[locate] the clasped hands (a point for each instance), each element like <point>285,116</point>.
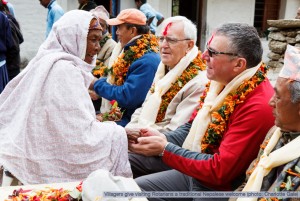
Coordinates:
<point>146,141</point>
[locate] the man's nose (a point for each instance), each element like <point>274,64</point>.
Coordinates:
<point>205,55</point>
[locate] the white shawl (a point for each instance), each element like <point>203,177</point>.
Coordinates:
<point>270,160</point>
<point>215,97</point>
<point>162,83</point>
<point>48,129</point>
<point>106,50</point>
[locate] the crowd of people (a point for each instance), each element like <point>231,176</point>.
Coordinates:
<point>169,115</point>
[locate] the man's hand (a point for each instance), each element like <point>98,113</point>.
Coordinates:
<point>148,146</point>
<point>145,132</point>
<point>132,134</point>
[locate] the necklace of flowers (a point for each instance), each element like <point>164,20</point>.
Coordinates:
<point>103,40</point>
<point>188,74</point>
<point>287,183</point>
<point>99,63</point>
<point>145,44</point>
<point>214,133</point>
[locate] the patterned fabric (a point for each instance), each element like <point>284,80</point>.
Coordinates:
<point>287,176</point>
<point>51,134</point>
<point>291,67</point>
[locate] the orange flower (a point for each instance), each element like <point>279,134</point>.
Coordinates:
<point>215,130</point>
<point>146,43</point>
<point>189,73</point>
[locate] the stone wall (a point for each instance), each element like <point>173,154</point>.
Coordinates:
<point>282,33</point>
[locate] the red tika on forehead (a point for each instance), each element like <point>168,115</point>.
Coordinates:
<point>212,36</point>
<point>167,28</point>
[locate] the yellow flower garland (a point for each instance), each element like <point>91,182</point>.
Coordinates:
<point>214,133</point>
<point>189,73</point>
<point>147,43</point>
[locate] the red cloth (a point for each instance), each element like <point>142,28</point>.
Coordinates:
<point>246,129</point>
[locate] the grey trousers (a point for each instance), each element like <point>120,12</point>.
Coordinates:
<point>172,180</point>
<point>143,165</point>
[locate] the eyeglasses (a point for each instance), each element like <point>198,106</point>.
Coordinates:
<point>211,52</point>
<point>170,40</point>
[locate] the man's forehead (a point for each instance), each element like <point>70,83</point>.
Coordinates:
<point>281,84</point>
<point>172,29</point>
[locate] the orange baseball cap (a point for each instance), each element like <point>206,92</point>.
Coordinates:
<point>131,16</point>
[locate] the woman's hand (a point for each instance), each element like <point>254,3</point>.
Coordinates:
<point>148,146</point>
<point>94,96</point>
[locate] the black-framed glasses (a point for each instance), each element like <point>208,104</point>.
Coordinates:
<point>170,40</point>
<point>211,52</point>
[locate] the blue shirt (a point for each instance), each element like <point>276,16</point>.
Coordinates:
<point>54,13</point>
<point>150,12</point>
<point>137,83</point>
<point>11,9</point>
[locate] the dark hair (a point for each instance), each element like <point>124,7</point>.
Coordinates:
<point>143,1</point>
<point>244,40</point>
<point>4,8</point>
<point>294,88</point>
<point>141,29</point>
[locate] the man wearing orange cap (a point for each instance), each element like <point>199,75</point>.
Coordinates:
<point>132,66</point>
<point>277,165</point>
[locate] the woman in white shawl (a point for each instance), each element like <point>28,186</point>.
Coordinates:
<point>51,133</point>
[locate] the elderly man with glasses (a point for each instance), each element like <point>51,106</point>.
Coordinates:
<point>213,150</point>
<point>178,82</point>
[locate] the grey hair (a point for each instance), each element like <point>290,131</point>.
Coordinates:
<point>190,29</point>
<point>294,88</point>
<point>244,41</point>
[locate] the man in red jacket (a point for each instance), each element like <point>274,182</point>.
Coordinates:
<point>213,151</point>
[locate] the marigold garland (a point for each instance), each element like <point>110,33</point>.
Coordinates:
<point>99,63</point>
<point>214,133</point>
<point>286,184</point>
<point>104,40</point>
<point>188,74</point>
<point>147,43</point>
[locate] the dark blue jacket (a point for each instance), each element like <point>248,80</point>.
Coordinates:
<point>137,83</point>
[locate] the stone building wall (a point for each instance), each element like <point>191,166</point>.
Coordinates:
<point>282,33</point>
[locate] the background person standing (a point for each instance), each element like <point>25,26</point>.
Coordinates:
<point>86,5</point>
<point>154,18</point>
<point>5,45</point>
<point>55,12</point>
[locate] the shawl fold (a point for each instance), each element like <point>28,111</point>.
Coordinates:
<point>51,133</point>
<point>214,99</point>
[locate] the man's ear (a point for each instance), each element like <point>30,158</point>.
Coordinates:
<point>240,65</point>
<point>134,31</point>
<point>191,44</point>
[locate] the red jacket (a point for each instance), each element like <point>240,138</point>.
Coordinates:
<point>246,129</point>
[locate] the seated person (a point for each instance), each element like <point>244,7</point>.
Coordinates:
<point>214,151</point>
<point>178,82</point>
<point>107,45</point>
<point>132,65</point>
<point>52,134</point>
<point>277,165</point>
